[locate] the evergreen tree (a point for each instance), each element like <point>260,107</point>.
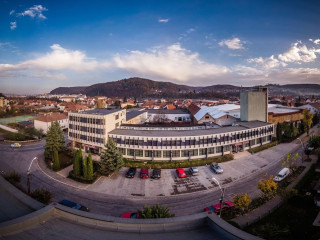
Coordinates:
<point>279,132</point>
<point>54,140</point>
<point>56,162</point>
<point>90,167</point>
<point>77,162</point>
<point>111,158</point>
<point>84,167</point>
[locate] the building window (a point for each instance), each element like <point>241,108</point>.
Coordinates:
<point>139,153</point>
<point>148,153</point>
<point>184,153</point>
<point>210,150</point>
<point>122,150</point>
<point>157,154</point>
<point>166,154</point>
<point>226,148</point>
<point>175,153</point>
<point>194,152</point>
<point>130,152</point>
<point>202,151</point>
<point>218,149</point>
<point>117,117</point>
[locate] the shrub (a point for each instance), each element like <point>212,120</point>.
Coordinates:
<point>81,179</point>
<point>42,195</point>
<point>13,177</point>
<point>306,179</point>
<point>263,147</point>
<point>268,187</point>
<point>242,201</point>
<point>155,211</point>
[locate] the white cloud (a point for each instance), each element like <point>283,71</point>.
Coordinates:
<point>13,25</point>
<point>172,62</point>
<point>317,41</point>
<point>35,11</point>
<point>267,63</point>
<point>299,54</point>
<point>11,12</point>
<point>162,20</point>
<point>246,71</point>
<point>190,30</point>
<point>233,44</point>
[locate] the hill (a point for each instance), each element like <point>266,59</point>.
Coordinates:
<point>140,87</point>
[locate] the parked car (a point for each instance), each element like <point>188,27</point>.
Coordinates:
<point>216,207</point>
<point>74,205</point>
<point>216,168</point>
<point>156,173</point>
<point>282,175</point>
<point>194,171</point>
<point>181,173</point>
<point>15,145</point>
<point>131,172</point>
<point>144,173</point>
<point>130,215</point>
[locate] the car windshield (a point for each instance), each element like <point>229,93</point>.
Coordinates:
<point>280,175</point>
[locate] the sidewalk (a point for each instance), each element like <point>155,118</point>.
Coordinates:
<point>273,204</point>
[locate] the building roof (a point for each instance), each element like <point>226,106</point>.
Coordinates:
<point>167,111</point>
<point>193,108</point>
<point>188,133</point>
<point>170,106</point>
<point>215,111</point>
<point>134,113</point>
<point>100,111</point>
<point>51,117</point>
<point>315,105</point>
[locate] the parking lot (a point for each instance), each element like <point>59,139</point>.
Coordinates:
<point>170,184</point>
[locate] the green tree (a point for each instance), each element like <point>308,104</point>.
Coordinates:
<point>279,132</point>
<point>56,162</point>
<point>302,128</point>
<point>291,161</point>
<point>84,167</point>
<point>268,187</point>
<point>307,120</point>
<point>315,119</point>
<point>111,158</point>
<point>314,141</point>
<point>90,167</point>
<point>242,201</point>
<point>54,140</point>
<point>77,162</point>
<point>155,211</point>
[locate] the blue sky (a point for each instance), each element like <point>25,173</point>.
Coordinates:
<point>47,44</point>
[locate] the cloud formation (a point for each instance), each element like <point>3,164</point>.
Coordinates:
<point>34,12</point>
<point>13,25</point>
<point>162,20</point>
<point>299,54</point>
<point>172,62</point>
<point>11,12</point>
<point>233,44</point>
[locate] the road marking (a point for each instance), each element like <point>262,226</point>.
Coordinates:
<point>58,180</point>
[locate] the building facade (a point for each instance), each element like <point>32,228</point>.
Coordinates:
<point>89,129</point>
<point>44,122</point>
<point>187,143</point>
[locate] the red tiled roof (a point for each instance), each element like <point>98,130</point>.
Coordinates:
<point>170,106</point>
<point>193,109</point>
<point>51,117</point>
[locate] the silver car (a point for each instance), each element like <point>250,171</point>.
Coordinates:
<point>216,168</point>
<point>194,171</point>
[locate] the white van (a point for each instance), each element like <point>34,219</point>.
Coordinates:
<point>282,174</point>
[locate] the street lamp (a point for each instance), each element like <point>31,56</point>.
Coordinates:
<point>302,146</point>
<point>28,175</point>
<point>222,194</point>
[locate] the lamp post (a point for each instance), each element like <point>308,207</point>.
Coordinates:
<point>222,194</point>
<point>302,146</point>
<point>28,175</point>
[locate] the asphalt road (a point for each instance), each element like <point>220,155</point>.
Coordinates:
<point>103,203</point>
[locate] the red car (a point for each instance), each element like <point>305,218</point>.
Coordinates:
<point>180,172</point>
<point>130,215</point>
<point>216,207</point>
<point>144,173</point>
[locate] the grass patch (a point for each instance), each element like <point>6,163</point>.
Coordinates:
<point>65,158</point>
<point>177,164</point>
<point>263,147</point>
<point>291,221</point>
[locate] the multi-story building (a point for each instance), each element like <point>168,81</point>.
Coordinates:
<point>89,129</point>
<point>189,142</point>
<point>44,121</point>
<point>3,102</point>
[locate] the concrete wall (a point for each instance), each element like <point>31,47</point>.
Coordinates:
<point>254,106</point>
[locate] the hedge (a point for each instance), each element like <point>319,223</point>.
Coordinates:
<point>175,164</point>
<point>263,147</point>
<point>82,179</point>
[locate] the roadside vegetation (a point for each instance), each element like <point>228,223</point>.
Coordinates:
<point>176,164</point>
<point>155,211</point>
<point>263,147</point>
<point>41,195</point>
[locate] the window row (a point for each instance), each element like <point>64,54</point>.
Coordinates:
<point>86,138</point>
<point>86,129</point>
<point>87,120</point>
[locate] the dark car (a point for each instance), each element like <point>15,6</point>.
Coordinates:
<point>144,173</point>
<point>131,172</point>
<point>74,205</point>
<point>156,173</point>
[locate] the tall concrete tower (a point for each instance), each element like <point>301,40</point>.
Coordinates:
<point>254,105</point>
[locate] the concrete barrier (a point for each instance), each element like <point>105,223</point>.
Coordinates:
<point>8,128</point>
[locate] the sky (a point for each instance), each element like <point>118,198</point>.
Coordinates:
<point>46,44</point>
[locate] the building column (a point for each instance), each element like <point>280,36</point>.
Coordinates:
<point>170,155</point>
<point>134,154</point>
<point>188,155</point>
<point>222,150</point>
<point>152,155</point>
<point>206,153</point>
